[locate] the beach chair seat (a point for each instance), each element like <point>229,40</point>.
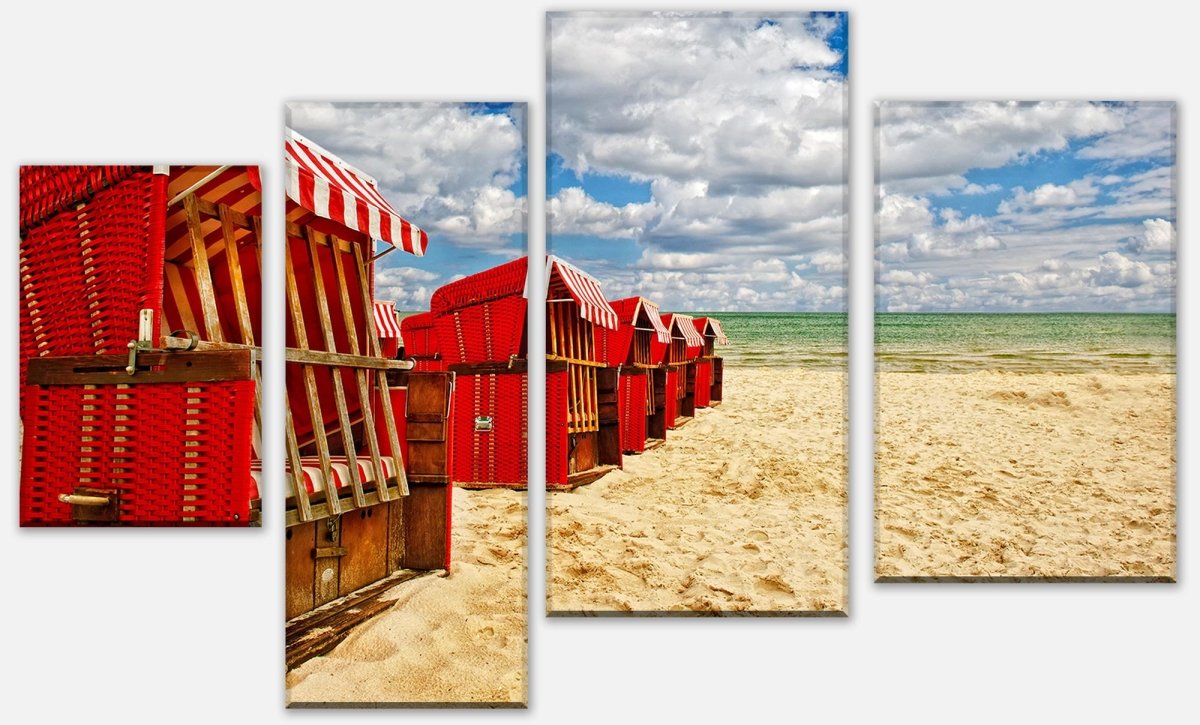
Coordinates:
<point>314,478</point>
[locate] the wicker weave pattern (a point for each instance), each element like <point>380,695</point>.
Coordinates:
<point>48,190</point>
<point>557,450</point>
<point>631,402</point>
<point>85,273</point>
<point>671,406</point>
<point>496,457</point>
<point>486,332</point>
<point>703,388</point>
<point>196,470</point>
<point>421,342</point>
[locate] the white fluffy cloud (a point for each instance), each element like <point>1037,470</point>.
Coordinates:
<point>1158,235</point>
<point>929,146</point>
<point>443,166</point>
<point>1103,241</point>
<point>739,127</point>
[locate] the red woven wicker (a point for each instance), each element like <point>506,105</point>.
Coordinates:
<point>420,342</point>
<point>671,406</point>
<point>631,401</point>
<point>87,271</point>
<point>48,190</point>
<point>497,457</point>
<point>703,388</point>
<point>194,471</point>
<point>556,429</point>
<point>481,318</point>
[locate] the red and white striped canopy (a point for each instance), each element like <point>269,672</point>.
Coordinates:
<point>686,329</point>
<point>332,189</point>
<point>585,290</point>
<point>385,320</point>
<point>664,335</point>
<point>713,325</point>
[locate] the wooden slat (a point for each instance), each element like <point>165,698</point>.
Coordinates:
<point>204,284</point>
<point>385,398</point>
<point>360,375</point>
<point>240,303</point>
<point>176,367</point>
<point>318,633</point>
<point>341,359</point>
<point>233,258</point>
<point>339,391</point>
<point>310,378</point>
<point>299,490</point>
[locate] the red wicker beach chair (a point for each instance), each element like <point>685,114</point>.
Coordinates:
<point>420,342</point>
<point>684,351</point>
<point>635,349</point>
<point>124,420</point>
<point>479,323</point>
<point>710,367</point>
<point>367,440</point>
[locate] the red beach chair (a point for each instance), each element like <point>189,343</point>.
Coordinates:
<point>124,420</point>
<point>634,349</point>
<point>367,440</point>
<point>682,354</point>
<point>710,367</point>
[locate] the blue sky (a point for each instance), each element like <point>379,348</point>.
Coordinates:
<point>457,170</point>
<point>699,159</point>
<point>1065,206</point>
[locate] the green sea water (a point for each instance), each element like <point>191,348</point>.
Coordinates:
<point>815,340</point>
<point>1032,342</point>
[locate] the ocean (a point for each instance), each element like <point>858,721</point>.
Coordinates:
<point>1029,342</point>
<point>814,340</point>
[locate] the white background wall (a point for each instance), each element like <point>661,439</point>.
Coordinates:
<point>185,626</point>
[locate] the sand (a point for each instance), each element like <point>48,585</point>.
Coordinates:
<point>994,474</point>
<point>454,639</point>
<point>741,510</point>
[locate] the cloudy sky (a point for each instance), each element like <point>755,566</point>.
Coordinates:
<point>455,170</point>
<point>698,160</point>
<point>1026,207</point>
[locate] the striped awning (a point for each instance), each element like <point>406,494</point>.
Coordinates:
<point>681,326</point>
<point>585,290</point>
<point>712,325</point>
<point>664,335</point>
<point>332,189</point>
<point>385,320</point>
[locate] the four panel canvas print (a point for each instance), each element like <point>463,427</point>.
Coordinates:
<point>696,313</point>
<point>694,304</point>
<point>1025,341</point>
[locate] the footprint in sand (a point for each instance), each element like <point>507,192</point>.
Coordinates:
<point>757,535</point>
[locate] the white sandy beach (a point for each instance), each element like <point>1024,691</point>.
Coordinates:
<point>743,509</point>
<point>1025,475</point>
<point>455,639</point>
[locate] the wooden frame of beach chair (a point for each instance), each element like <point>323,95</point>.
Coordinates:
<point>367,440</point>
<point>634,349</point>
<point>583,432</point>
<point>710,367</point>
<point>125,421</point>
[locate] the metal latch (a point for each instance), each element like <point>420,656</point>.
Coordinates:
<point>483,422</point>
<point>145,341</point>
